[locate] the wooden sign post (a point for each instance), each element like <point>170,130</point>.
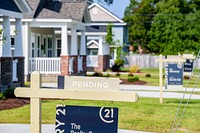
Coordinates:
<point>161,61</point>
<point>35,93</point>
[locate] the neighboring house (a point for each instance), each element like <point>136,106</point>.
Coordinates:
<point>54,37</point>
<point>99,56</point>
<point>11,65</point>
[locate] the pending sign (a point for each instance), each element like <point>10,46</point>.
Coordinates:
<point>94,83</point>
<point>83,119</point>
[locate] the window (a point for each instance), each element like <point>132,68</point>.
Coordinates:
<point>12,45</point>
<point>93,51</point>
<point>44,45</point>
<point>50,46</point>
<point>58,42</point>
<point>38,46</point>
<point>32,44</point>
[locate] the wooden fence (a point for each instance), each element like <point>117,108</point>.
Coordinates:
<point>149,61</point>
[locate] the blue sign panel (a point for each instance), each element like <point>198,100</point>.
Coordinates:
<point>82,119</point>
<point>188,65</point>
<point>175,74</point>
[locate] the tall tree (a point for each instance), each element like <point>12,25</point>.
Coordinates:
<point>138,16</point>
<point>109,36</point>
<point>175,27</point>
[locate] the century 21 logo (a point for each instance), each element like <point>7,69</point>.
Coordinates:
<point>106,115</point>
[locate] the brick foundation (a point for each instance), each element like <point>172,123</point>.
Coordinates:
<point>103,64</point>
<point>75,64</point>
<point>64,65</point>
<point>84,64</point>
<point>6,65</point>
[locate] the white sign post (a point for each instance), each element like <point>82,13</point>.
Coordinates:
<point>35,93</point>
<point>161,61</point>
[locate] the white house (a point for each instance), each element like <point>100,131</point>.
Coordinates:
<point>57,37</point>
<point>12,65</point>
<point>54,37</point>
<point>99,57</point>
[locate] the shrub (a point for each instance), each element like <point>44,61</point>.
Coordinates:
<point>130,75</point>
<point>2,97</point>
<point>148,75</point>
<point>186,77</point>
<point>117,65</point>
<point>108,75</point>
<point>117,74</point>
<point>133,79</point>
<point>98,74</point>
<point>9,93</point>
<point>119,62</point>
<point>134,69</point>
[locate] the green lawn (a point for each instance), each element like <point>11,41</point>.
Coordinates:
<point>154,79</point>
<point>145,115</point>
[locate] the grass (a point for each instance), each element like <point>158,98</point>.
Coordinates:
<point>145,115</point>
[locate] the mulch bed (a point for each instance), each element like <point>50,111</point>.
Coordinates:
<point>139,82</point>
<point>19,102</point>
<point>13,103</point>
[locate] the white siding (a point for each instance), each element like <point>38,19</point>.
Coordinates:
<point>98,14</point>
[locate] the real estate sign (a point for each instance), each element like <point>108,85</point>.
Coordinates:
<point>188,65</point>
<point>83,119</point>
<point>174,74</point>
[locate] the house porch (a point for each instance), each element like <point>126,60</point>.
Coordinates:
<point>58,49</point>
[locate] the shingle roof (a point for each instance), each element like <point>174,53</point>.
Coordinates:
<point>96,28</point>
<point>48,9</point>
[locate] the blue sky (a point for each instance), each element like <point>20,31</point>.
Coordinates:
<point>118,7</point>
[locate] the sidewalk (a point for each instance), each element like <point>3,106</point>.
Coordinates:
<point>46,128</point>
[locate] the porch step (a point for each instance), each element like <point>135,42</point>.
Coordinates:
<point>50,78</point>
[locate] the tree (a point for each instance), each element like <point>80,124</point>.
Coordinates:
<point>109,36</point>
<point>174,29</point>
<point>138,16</point>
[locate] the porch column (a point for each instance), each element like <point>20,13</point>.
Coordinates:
<point>18,38</point>
<point>6,47</point>
<point>103,60</point>
<point>64,52</point>
<point>18,54</point>
<point>6,59</point>
<point>83,44</point>
<point>83,51</point>
<point>100,50</point>
<point>27,50</point>
<point>64,43</point>
<point>74,50</point>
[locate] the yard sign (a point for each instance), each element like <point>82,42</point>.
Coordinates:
<point>82,119</point>
<point>36,93</point>
<point>161,61</point>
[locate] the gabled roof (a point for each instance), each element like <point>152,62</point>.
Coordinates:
<point>23,6</point>
<point>106,14</point>
<point>92,44</point>
<point>49,9</point>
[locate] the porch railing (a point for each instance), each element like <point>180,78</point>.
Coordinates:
<point>92,60</point>
<point>45,65</point>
